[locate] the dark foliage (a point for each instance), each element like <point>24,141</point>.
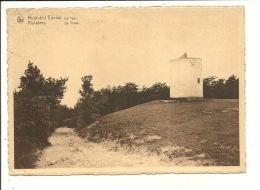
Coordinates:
<point>94,104</point>
<point>37,113</point>
<point>221,88</point>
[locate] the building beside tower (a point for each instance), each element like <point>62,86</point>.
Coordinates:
<point>186,77</point>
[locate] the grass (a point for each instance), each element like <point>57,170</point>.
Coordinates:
<point>199,130</point>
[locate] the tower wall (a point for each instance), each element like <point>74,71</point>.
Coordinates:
<point>186,78</point>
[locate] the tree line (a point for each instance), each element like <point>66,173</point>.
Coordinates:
<point>38,112</point>
<point>93,104</point>
<point>221,88</point>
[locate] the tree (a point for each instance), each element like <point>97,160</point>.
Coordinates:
<point>101,102</point>
<point>33,80</point>
<point>220,89</point>
<point>232,87</point>
<point>87,86</point>
<point>54,90</point>
<point>208,87</point>
<point>34,107</point>
<point>129,93</point>
<point>159,91</point>
<point>31,127</point>
<point>86,107</point>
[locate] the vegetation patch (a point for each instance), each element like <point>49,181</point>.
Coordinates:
<point>197,130</point>
<point>36,102</point>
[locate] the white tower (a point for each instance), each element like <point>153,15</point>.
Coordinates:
<point>186,78</point>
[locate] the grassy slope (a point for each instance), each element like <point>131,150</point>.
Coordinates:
<point>207,129</point>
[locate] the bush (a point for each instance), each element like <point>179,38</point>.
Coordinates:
<point>31,127</point>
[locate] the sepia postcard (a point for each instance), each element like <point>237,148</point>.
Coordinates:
<point>133,90</point>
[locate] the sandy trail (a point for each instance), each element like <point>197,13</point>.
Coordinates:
<point>68,150</point>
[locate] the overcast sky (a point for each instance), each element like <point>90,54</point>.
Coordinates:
<point>130,45</point>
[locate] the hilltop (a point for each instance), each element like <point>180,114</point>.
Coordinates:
<point>205,131</point>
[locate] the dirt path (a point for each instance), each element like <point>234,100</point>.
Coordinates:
<point>68,150</point>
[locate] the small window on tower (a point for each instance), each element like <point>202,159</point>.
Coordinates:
<point>198,80</point>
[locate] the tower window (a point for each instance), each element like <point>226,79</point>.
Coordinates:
<point>198,80</point>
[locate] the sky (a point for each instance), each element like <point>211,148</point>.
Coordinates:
<point>124,45</point>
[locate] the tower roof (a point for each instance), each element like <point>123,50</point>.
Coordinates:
<point>185,56</point>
